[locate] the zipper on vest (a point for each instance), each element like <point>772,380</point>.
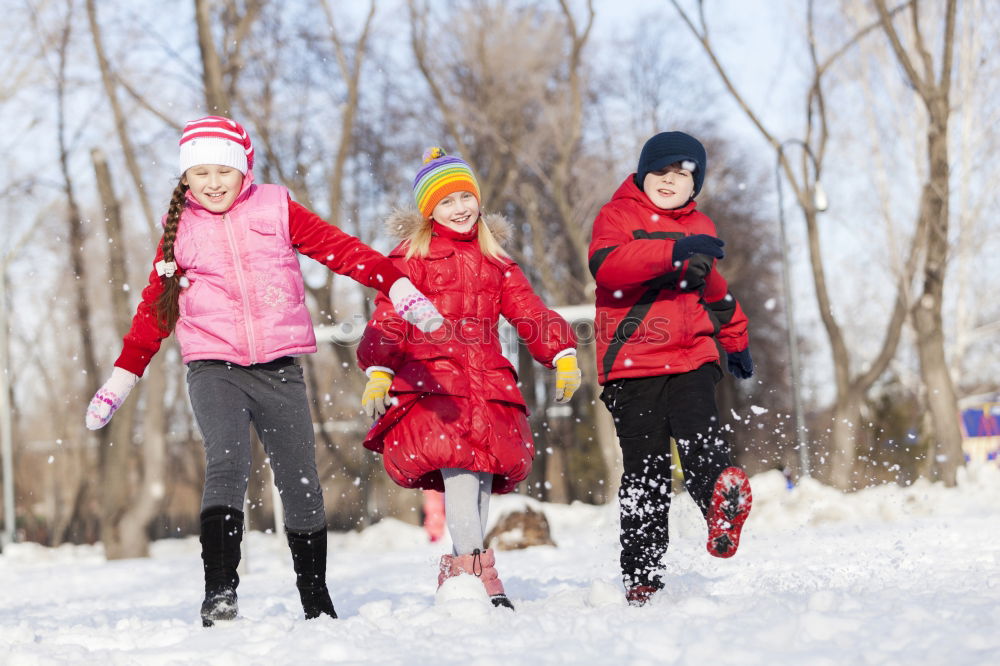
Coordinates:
<point>251,341</point>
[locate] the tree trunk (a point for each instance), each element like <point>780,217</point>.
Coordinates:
<point>216,99</point>
<point>917,63</point>
<point>604,426</point>
<point>526,382</point>
<point>560,436</point>
<point>846,414</point>
<point>116,469</point>
<point>78,266</point>
<point>121,127</point>
<point>147,499</point>
<point>927,320</point>
<point>126,516</point>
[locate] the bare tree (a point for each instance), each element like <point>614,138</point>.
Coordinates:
<point>932,84</point>
<point>75,224</point>
<point>131,502</point>
<point>851,386</point>
<point>60,42</point>
<point>220,70</point>
<point>121,125</point>
<point>130,496</point>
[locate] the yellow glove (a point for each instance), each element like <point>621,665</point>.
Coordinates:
<point>567,378</point>
<point>375,399</point>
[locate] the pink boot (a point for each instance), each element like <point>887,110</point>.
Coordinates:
<point>434,519</point>
<point>481,564</point>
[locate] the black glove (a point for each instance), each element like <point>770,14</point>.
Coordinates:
<point>688,246</point>
<point>740,364</point>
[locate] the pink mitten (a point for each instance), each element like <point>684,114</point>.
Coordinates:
<point>110,397</point>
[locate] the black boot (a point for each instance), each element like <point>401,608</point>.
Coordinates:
<point>309,562</point>
<point>221,536</point>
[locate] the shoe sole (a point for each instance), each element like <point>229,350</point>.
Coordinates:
<point>730,506</point>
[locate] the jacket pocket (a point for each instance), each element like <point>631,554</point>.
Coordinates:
<point>263,226</point>
<point>441,271</point>
<point>263,235</point>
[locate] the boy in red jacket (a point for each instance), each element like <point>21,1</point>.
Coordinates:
<point>662,307</point>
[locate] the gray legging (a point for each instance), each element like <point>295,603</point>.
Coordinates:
<point>227,399</point>
<point>466,507</point>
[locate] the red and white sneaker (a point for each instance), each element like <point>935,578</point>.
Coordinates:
<point>729,508</point>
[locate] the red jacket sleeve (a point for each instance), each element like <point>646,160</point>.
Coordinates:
<point>339,251</point>
<point>145,335</point>
<point>726,309</point>
<point>384,340</point>
<point>619,261</point>
<point>544,331</point>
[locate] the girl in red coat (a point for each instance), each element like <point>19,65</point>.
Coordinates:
<point>456,420</point>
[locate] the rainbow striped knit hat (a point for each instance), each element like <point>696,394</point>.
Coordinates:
<point>441,175</point>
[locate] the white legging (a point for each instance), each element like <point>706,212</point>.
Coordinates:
<point>466,507</point>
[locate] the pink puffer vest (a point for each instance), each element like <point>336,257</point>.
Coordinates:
<point>245,301</point>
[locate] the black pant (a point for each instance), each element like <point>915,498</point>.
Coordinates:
<point>648,411</point>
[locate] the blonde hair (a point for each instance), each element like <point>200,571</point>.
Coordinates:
<point>419,243</point>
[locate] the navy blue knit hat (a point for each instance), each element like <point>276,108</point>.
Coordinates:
<point>667,148</point>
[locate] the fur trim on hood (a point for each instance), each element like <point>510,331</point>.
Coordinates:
<point>403,223</point>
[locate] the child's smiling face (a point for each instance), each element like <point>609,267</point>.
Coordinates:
<point>214,186</point>
<point>670,187</point>
<point>458,211</point>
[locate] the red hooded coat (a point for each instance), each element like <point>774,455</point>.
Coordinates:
<point>457,401</point>
<point>654,318</point>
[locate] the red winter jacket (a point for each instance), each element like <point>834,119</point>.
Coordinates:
<point>471,291</point>
<point>654,318</point>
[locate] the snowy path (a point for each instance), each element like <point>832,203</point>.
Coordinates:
<point>886,576</point>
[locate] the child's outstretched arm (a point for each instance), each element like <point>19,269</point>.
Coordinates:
<point>344,254</point>
<point>548,336</point>
<point>139,346</point>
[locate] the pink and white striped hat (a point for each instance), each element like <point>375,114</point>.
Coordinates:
<point>216,140</point>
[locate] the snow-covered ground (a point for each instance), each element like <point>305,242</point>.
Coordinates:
<point>885,576</point>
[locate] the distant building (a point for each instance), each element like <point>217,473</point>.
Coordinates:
<point>981,429</point>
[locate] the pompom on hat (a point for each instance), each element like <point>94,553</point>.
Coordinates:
<point>668,148</point>
<point>216,140</point>
<point>441,175</point>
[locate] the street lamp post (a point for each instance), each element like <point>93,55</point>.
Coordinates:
<point>820,204</point>
<point>6,434</point>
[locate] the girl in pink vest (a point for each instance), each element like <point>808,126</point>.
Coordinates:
<point>226,279</point>
<point>456,420</point>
